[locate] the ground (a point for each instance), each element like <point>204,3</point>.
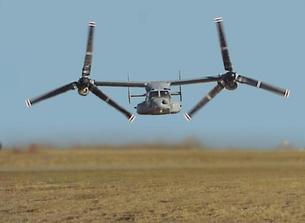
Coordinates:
<point>151,185</point>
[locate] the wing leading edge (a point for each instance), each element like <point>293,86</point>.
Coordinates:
<point>206,79</point>
<point>120,83</point>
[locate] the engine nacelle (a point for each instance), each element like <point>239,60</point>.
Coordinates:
<point>83,91</point>
<point>232,85</point>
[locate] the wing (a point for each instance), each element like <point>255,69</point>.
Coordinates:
<point>196,80</point>
<point>206,79</point>
<point>121,84</point>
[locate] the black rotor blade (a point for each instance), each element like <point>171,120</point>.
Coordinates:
<point>95,90</point>
<point>204,101</point>
<point>89,51</point>
<point>60,90</point>
<point>223,45</point>
<point>259,84</point>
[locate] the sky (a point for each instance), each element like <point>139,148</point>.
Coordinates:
<point>43,46</point>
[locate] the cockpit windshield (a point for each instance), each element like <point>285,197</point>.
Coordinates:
<point>164,93</point>
<point>158,94</point>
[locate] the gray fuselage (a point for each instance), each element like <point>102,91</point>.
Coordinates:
<point>158,102</point>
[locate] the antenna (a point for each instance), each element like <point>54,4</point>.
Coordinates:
<point>180,87</point>
<point>128,89</point>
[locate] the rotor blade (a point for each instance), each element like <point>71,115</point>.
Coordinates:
<point>89,51</point>
<point>204,101</point>
<point>111,102</point>
<point>60,90</point>
<point>223,44</point>
<point>259,84</point>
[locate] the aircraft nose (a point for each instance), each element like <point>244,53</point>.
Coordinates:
<point>165,102</point>
<point>161,103</point>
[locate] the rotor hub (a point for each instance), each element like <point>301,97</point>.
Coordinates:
<point>83,82</point>
<point>229,80</point>
<point>83,86</point>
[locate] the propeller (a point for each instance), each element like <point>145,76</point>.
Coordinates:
<point>230,79</point>
<point>223,45</point>
<point>84,84</point>
<point>216,90</point>
<point>89,51</point>
<point>259,84</point>
<point>94,89</point>
<point>60,90</point>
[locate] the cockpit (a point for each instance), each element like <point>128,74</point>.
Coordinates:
<point>159,93</point>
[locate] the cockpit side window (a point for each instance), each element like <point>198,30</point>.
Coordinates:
<point>154,94</point>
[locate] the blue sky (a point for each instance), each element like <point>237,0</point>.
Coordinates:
<point>43,45</point>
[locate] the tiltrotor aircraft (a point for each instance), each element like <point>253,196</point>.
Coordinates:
<point>158,95</point>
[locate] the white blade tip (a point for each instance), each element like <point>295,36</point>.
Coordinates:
<point>132,118</point>
<point>287,93</point>
<point>187,117</point>
<point>218,19</point>
<point>92,23</point>
<point>28,103</point>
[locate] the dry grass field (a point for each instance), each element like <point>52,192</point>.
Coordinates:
<point>151,185</point>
